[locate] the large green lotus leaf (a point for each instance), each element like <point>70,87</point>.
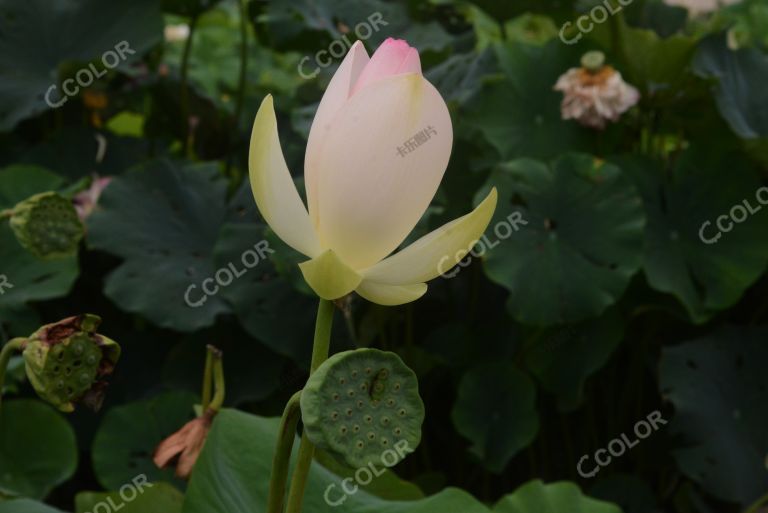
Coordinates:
<point>38,450</point>
<point>20,181</point>
<point>499,424</point>
<point>268,307</point>
<point>26,506</point>
<point>741,94</point>
<point>581,245</point>
<point>519,112</point>
<point>561,497</point>
<point>460,76</point>
<point>232,476</point>
<point>32,279</point>
<point>135,497</point>
<point>163,219</point>
<point>564,357</point>
<point>652,62</point>
<point>128,435</point>
<point>719,388</point>
<point>75,30</point>
<point>704,277</point>
<point>288,22</point>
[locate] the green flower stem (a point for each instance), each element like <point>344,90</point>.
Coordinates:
<point>219,385</point>
<point>755,507</point>
<point>5,356</point>
<point>243,9</point>
<point>281,461</point>
<point>184,102</point>
<point>207,380</point>
<point>6,214</point>
<point>307,449</point>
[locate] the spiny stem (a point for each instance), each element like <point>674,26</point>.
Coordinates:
<point>11,347</point>
<point>282,458</point>
<point>307,449</point>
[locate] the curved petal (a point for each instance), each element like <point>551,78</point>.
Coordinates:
<point>381,164</point>
<point>436,252</point>
<point>391,295</point>
<point>338,91</point>
<point>329,276</point>
<point>392,57</point>
<point>273,188</point>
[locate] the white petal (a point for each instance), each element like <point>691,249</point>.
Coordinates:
<point>273,188</point>
<point>391,295</point>
<point>436,252</point>
<point>337,92</point>
<point>372,190</point>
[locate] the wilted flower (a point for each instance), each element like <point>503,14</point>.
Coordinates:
<point>47,226</point>
<point>67,362</point>
<point>85,201</point>
<point>185,444</point>
<point>696,7</point>
<point>377,151</point>
<point>595,93</point>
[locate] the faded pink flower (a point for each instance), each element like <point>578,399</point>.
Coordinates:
<point>85,201</point>
<point>696,7</point>
<point>595,94</point>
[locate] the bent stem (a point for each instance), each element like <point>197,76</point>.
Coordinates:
<point>207,379</point>
<point>307,449</point>
<point>280,462</point>
<point>218,380</point>
<point>11,347</point>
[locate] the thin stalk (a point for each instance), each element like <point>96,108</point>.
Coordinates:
<point>5,356</point>
<point>320,350</point>
<point>242,4</point>
<point>218,383</point>
<point>207,380</point>
<point>184,87</point>
<point>282,458</point>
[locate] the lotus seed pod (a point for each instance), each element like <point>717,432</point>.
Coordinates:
<point>47,226</point>
<point>67,362</point>
<point>363,405</point>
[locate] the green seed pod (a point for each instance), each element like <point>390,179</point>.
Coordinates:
<point>67,362</point>
<point>47,226</point>
<point>361,404</point>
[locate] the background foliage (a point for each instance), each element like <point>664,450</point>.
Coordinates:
<point>605,307</point>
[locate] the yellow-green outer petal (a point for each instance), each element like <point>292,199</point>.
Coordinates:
<point>329,277</point>
<point>436,252</point>
<point>390,295</point>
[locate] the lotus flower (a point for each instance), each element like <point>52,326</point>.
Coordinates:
<point>377,150</point>
<point>595,93</point>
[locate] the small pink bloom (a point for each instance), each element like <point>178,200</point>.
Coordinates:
<point>85,201</point>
